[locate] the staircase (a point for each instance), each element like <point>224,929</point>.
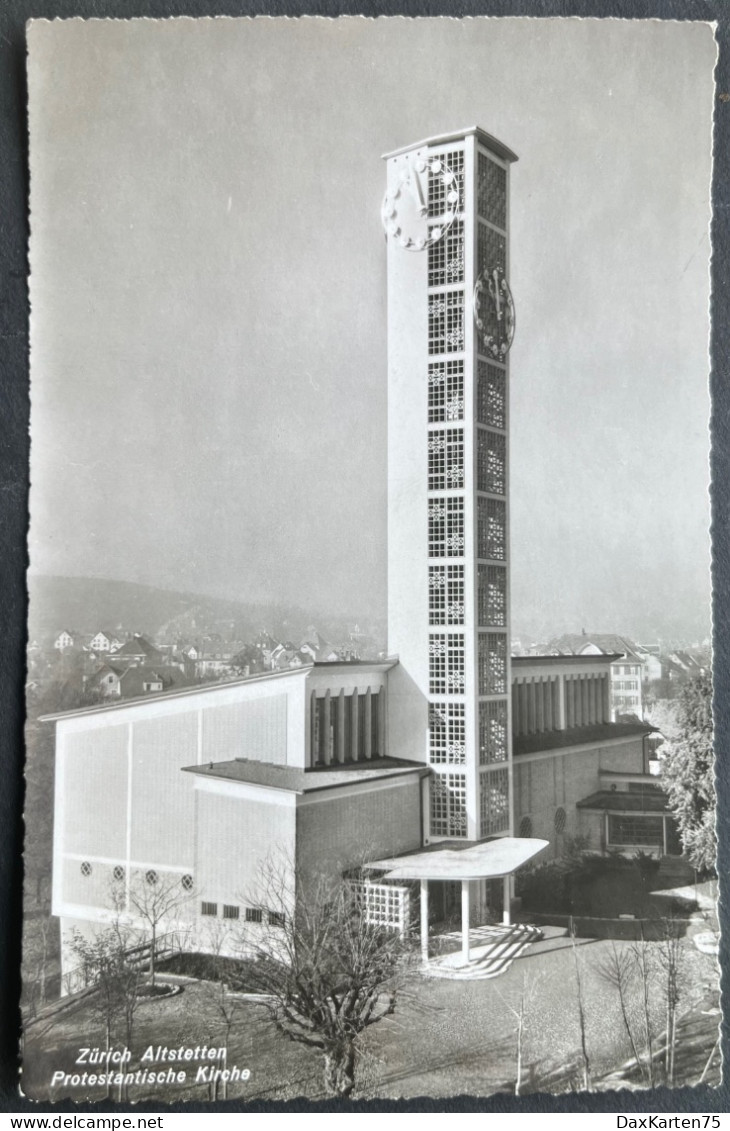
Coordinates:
<point>492,950</point>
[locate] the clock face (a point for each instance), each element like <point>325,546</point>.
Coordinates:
<point>423,203</point>
<point>494,313</point>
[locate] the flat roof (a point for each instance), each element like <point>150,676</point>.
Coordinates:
<point>209,688</point>
<point>473,861</point>
<point>626,801</point>
<point>577,736</point>
<point>486,140</point>
<point>294,780</point>
<point>569,658</point>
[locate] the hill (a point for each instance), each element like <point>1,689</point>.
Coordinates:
<point>87,604</point>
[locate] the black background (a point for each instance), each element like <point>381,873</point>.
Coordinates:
<point>14,385</point>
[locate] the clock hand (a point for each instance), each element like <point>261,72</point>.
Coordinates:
<point>497,299</point>
<point>417,191</point>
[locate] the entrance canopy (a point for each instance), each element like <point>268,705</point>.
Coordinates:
<point>486,860</point>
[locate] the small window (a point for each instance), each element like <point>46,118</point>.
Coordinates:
<point>187,882</point>
<point>526,827</point>
<point>118,872</point>
<point>86,868</point>
<point>151,877</point>
<point>560,820</point>
<point>254,915</point>
<point>277,919</point>
<point>230,911</point>
<point>208,908</point>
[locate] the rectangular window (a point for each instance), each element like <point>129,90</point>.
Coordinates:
<point>446,664</point>
<point>446,257</point>
<point>491,529</point>
<point>448,805</point>
<point>446,322</point>
<point>491,462</point>
<point>494,801</point>
<point>491,191</point>
<point>635,828</point>
<point>446,594</point>
<point>254,915</point>
<point>276,919</point>
<point>446,527</point>
<point>438,187</point>
<point>492,732</point>
<point>491,249</point>
<point>208,908</point>
<point>492,595</point>
<point>446,459</point>
<point>491,395</point>
<point>492,663</point>
<point>446,733</point>
<point>445,391</point>
<point>230,911</point>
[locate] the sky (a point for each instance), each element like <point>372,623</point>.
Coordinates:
<point>208,296</point>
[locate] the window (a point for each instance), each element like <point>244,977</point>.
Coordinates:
<point>446,459</point>
<point>446,594</point>
<point>446,257</point>
<point>494,801</point>
<point>208,908</point>
<point>276,919</point>
<point>230,911</point>
<point>491,191</point>
<point>187,882</point>
<point>491,249</point>
<point>560,819</point>
<point>445,391</point>
<point>446,322</point>
<point>446,664</point>
<point>254,915</point>
<point>448,805</point>
<point>119,872</point>
<point>438,188</point>
<point>446,527</point>
<point>492,732</point>
<point>526,827</point>
<point>635,828</point>
<point>151,877</point>
<point>86,868</point>
<point>491,529</point>
<point>446,733</point>
<point>492,595</point>
<point>491,462</point>
<point>491,395</point>
<point>492,663</point>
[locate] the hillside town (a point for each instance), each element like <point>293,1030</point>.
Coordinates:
<point>96,664</point>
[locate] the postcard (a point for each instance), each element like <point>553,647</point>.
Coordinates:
<point>369,741</point>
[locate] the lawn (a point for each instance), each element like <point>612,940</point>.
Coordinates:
<point>446,1038</point>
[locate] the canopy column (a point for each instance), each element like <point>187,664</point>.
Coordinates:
<point>465,920</point>
<point>424,920</point>
<point>507,899</point>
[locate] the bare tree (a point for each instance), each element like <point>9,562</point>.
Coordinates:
<point>671,963</point>
<point>106,965</point>
<point>644,967</point>
<point>520,1011</point>
<point>581,1013</point>
<point>157,900</point>
<point>327,971</point>
<point>226,1007</point>
<point>618,969</point>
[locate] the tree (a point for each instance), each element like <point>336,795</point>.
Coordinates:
<point>157,900</point>
<point>105,963</point>
<point>688,774</point>
<point>327,971</point>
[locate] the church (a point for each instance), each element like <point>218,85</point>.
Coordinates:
<point>430,776</point>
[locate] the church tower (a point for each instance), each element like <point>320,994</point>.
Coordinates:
<point>450,327</point>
